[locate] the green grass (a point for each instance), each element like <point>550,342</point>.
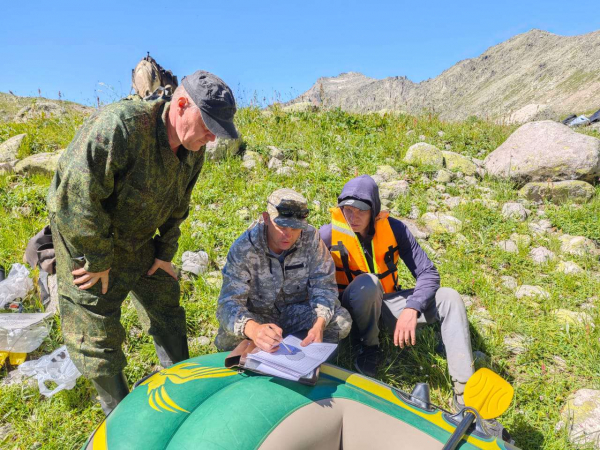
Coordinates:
<point>357,144</point>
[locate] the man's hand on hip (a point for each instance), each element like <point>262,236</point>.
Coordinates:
<point>315,334</point>
<point>266,337</point>
<point>85,280</point>
<point>406,328</point>
<point>164,265</point>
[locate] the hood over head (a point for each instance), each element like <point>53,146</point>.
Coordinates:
<point>365,189</point>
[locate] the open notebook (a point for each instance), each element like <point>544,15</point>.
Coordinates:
<point>293,364</point>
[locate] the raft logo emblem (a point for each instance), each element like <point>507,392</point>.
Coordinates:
<point>178,374</point>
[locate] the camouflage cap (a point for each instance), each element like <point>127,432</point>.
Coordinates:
<point>287,208</point>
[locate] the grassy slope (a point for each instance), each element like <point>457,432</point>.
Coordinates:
<point>356,144</point>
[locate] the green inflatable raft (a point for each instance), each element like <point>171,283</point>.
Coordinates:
<point>199,404</point>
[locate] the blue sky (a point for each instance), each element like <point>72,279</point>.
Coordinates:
<point>274,49</point>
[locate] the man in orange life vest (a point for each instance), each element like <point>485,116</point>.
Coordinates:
<point>366,245</point>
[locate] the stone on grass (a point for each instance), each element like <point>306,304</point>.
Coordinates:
<point>249,164</point>
<point>541,255</point>
<point>442,223</point>
<point>483,317</point>
<point>528,291</point>
<point>546,150</point>
<point>568,317</point>
<point>276,152</point>
<point>7,167</point>
<point>423,154</point>
<point>42,163</point>
<point>422,137</point>
<point>390,190</point>
<point>303,164</point>
<point>453,202</point>
<point>568,267</point>
<point>415,213</point>
<point>9,149</point>
<point>334,169</point>
<point>244,214</point>
<point>194,262</point>
<point>558,192</point>
<point>459,163</point>
<point>414,229</point>
<point>542,227</point>
<point>444,176</point>
<point>577,245</point>
<point>515,211</point>
<point>214,278</point>
<point>509,282</point>
<point>508,246</point>
<point>516,343</point>
<point>386,173</point>
<point>275,163</point>
<point>222,148</point>
<point>581,413</point>
<point>286,171</point>
<point>522,240</point>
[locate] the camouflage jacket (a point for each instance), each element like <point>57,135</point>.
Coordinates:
<point>255,283</point>
<point>119,181</point>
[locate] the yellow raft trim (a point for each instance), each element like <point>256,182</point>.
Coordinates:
<point>386,393</point>
<point>99,439</point>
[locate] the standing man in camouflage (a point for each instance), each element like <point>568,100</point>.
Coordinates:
<point>279,279</point>
<point>129,172</point>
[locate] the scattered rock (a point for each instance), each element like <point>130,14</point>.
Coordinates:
<point>444,176</point>
<point>442,223</point>
<point>334,169</point>
<point>568,267</point>
<point>467,300</point>
<point>508,246</point>
<point>286,171</point>
<point>441,133</point>
<point>200,340</point>
<point>414,229</point>
<point>529,291</point>
<point>276,153</point>
<point>509,282</point>
<point>483,317</point>
<point>422,137</point>
<point>249,164</point>
<point>471,180</point>
<point>514,211</point>
<point>541,255</point>
<point>582,414</point>
<point>577,245</point>
<point>275,163</point>
<point>38,109</point>
<point>459,163</point>
<point>415,213</point>
<point>541,227</point>
<point>387,173</point>
<point>522,240</point>
<point>9,149</point>
<point>453,202</point>
<point>423,154</point>
<point>43,163</point>
<point>567,317</point>
<point>516,343</point>
<point>222,148</point>
<point>194,262</point>
<point>425,180</point>
<point>251,159</point>
<point>244,214</point>
<point>7,167</point>
<point>558,192</point>
<point>303,164</point>
<point>391,190</point>
<point>546,150</point>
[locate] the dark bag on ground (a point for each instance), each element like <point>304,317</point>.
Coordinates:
<point>40,251</point>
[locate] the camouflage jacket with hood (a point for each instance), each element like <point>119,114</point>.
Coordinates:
<point>119,181</point>
<point>256,286</point>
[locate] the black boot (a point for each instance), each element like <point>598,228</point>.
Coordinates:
<point>171,349</point>
<point>111,390</point>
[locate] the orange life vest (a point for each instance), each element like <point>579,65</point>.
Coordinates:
<point>350,260</point>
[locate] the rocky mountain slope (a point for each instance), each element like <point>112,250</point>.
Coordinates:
<point>535,75</point>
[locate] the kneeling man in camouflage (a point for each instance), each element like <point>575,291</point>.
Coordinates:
<point>279,279</point>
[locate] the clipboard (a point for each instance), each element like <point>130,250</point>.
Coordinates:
<point>238,359</point>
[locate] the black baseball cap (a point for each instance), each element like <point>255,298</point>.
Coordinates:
<point>360,204</point>
<point>215,100</point>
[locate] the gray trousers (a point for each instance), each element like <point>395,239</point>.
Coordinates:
<point>365,300</point>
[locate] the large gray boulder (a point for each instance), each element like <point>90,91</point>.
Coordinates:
<point>9,149</point>
<point>222,148</point>
<point>558,192</point>
<point>546,150</point>
<point>582,414</point>
<point>44,163</point>
<point>423,154</point>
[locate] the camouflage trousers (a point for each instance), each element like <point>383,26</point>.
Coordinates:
<point>293,319</point>
<point>91,321</point>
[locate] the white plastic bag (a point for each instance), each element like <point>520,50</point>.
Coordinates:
<point>22,332</point>
<point>16,285</point>
<point>56,367</point>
